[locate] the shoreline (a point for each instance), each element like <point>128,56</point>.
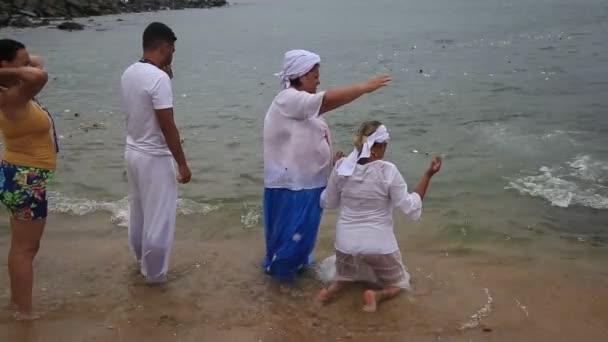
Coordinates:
<point>512,245</point>
<point>217,290</point>
<point>46,13</point>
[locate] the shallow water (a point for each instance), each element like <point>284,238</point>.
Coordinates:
<point>465,288</point>
<point>512,95</point>
<point>512,244</point>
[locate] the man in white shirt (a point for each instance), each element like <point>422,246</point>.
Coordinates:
<point>153,143</point>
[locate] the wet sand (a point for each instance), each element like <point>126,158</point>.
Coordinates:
<point>88,288</point>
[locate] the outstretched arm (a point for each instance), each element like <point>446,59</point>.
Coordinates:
<point>338,97</point>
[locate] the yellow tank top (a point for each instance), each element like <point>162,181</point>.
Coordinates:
<point>28,139</point>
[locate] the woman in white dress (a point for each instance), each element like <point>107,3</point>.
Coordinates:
<point>365,189</point>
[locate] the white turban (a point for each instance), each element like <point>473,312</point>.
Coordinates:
<point>297,63</point>
<point>348,165</point>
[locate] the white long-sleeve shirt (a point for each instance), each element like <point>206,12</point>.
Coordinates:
<point>297,142</point>
<point>366,201</point>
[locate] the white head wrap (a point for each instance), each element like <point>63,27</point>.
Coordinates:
<point>297,63</point>
<point>348,165</point>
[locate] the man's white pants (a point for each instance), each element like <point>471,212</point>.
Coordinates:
<point>152,210</point>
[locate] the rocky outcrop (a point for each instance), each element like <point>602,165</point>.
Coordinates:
<point>70,26</point>
<point>24,13</point>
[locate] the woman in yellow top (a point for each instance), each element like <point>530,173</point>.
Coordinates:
<point>29,159</point>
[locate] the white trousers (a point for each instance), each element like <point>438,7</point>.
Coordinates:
<point>152,210</point>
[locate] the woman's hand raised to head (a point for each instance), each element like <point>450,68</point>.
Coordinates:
<point>169,70</point>
<point>14,98</point>
<point>36,62</point>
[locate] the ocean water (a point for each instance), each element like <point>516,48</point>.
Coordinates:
<point>513,95</point>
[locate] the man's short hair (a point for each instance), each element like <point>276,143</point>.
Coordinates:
<point>156,34</point>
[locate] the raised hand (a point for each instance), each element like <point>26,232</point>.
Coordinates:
<point>377,82</point>
<point>339,155</point>
<point>168,70</point>
<point>434,167</point>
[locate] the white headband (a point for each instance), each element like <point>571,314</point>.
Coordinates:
<point>348,165</point>
<point>297,63</point>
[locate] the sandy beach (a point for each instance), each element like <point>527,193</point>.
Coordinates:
<point>513,242</point>
<point>87,288</point>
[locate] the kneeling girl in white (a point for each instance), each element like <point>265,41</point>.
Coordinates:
<point>366,188</point>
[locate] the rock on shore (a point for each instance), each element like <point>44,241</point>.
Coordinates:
<point>29,13</point>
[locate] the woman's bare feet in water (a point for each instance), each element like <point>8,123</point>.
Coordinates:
<point>371,303</point>
<point>323,296</point>
<point>373,298</point>
<point>326,294</point>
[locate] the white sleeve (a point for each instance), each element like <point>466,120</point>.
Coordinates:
<point>330,197</point>
<point>162,93</point>
<point>409,204</point>
<point>300,105</point>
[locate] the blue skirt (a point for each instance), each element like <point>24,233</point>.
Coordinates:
<point>291,224</point>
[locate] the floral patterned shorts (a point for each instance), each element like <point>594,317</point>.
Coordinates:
<point>23,191</point>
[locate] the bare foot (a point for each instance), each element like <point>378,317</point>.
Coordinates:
<point>323,296</point>
<point>25,316</point>
<point>369,296</point>
<point>12,306</point>
<point>156,282</point>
